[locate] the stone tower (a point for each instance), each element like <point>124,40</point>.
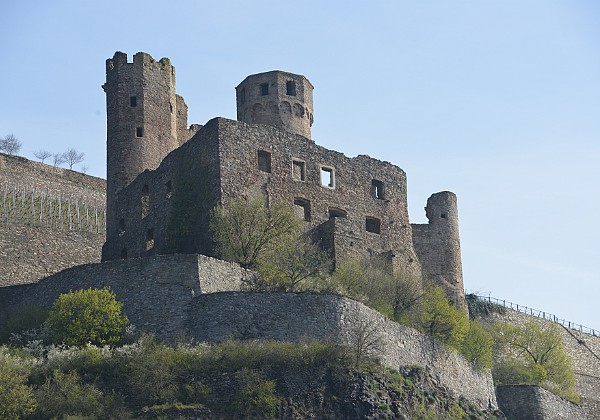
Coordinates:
<point>276,98</point>
<point>142,119</point>
<point>438,245</point>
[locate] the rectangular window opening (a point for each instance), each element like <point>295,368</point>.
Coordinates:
<point>299,170</point>
<point>377,189</point>
<point>121,227</point>
<point>302,208</point>
<point>327,177</point>
<point>149,239</point>
<point>264,161</point>
<point>334,212</point>
<point>290,88</point>
<point>139,131</point>
<point>133,101</point>
<point>264,89</point>
<point>169,188</point>
<point>373,225</point>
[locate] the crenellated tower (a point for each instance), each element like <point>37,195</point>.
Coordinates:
<point>437,245</point>
<point>277,98</point>
<point>145,119</point>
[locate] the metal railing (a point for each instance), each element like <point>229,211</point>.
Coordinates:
<point>540,314</point>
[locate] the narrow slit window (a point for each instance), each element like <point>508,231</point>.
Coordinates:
<point>133,101</point>
<point>377,189</point>
<point>334,212</point>
<point>373,225</point>
<point>327,177</point>
<point>169,189</point>
<point>145,201</point>
<point>302,208</point>
<point>121,227</point>
<point>299,170</point>
<point>290,88</point>
<point>264,161</point>
<point>264,89</point>
<point>139,131</point>
<point>149,239</point>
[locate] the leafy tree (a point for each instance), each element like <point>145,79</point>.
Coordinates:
<point>72,157</point>
<point>10,144</point>
<point>16,399</point>
<point>245,230</point>
<point>534,354</point>
<point>441,320</point>
<point>42,155</point>
<point>292,261</point>
<point>87,316</point>
<point>477,345</point>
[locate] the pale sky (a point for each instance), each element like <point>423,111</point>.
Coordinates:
<point>497,101</point>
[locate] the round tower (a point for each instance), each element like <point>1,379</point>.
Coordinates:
<point>276,98</point>
<point>442,212</point>
<point>141,119</point>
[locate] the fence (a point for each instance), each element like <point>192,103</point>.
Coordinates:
<point>20,206</point>
<point>540,314</point>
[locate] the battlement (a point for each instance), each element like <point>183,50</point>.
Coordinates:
<point>140,59</point>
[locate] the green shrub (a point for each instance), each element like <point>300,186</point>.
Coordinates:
<point>87,316</point>
<point>16,399</point>
<point>477,345</point>
<point>256,396</point>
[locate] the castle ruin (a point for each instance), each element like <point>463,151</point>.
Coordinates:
<point>164,178</point>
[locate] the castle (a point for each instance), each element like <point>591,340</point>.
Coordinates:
<point>164,178</point>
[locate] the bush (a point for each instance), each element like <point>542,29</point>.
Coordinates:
<point>256,396</point>
<point>87,316</point>
<point>16,399</point>
<point>477,346</point>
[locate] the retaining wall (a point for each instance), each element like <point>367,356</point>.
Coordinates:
<point>529,402</point>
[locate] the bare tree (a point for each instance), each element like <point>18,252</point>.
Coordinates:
<point>42,155</point>
<point>10,144</point>
<point>58,159</point>
<point>72,157</point>
<point>365,342</point>
<point>84,169</point>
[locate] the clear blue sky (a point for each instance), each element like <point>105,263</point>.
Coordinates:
<point>498,101</point>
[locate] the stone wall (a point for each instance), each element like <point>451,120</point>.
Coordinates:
<point>306,316</point>
<point>584,351</point>
<point>529,402</point>
<point>156,291</point>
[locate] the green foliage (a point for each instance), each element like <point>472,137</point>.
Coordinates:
<point>27,319</point>
<point>534,354</point>
<point>441,320</point>
<point>478,307</point>
<point>477,345</point>
<point>246,230</point>
<point>16,399</point>
<point>372,282</point>
<point>256,397</point>
<point>87,316</point>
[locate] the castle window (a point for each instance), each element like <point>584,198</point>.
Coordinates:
<point>171,107</point>
<point>302,208</point>
<point>299,170</point>
<point>169,188</point>
<point>124,254</point>
<point>139,131</point>
<point>373,225</point>
<point>243,96</point>
<point>264,161</point>
<point>145,202</point>
<point>264,89</point>
<point>133,101</point>
<point>377,189</point>
<point>327,177</point>
<point>121,227</point>
<point>149,239</point>
<point>290,88</point>
<point>335,212</point>
<point>443,215</point>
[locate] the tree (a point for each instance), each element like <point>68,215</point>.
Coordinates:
<point>72,157</point>
<point>10,144</point>
<point>245,230</point>
<point>58,159</point>
<point>441,320</point>
<point>87,316</point>
<point>366,342</point>
<point>292,261</point>
<point>16,399</point>
<point>42,155</point>
<point>477,345</point>
<point>534,354</point>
